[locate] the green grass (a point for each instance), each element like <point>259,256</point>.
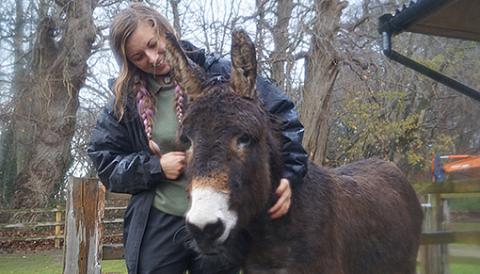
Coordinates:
<point>51,263</point>
<point>47,263</point>
<point>466,204</point>
<point>464,269</point>
<point>115,266</point>
<point>30,263</point>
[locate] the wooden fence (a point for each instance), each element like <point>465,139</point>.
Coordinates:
<point>434,254</point>
<point>57,225</point>
<point>80,223</point>
<point>83,249</point>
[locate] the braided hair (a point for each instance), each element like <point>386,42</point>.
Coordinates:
<point>146,109</point>
<point>179,103</point>
<point>122,27</point>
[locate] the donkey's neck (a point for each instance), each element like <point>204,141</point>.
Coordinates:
<point>263,224</point>
<point>267,239</point>
<point>265,233</point>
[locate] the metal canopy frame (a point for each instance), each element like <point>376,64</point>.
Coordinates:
<point>449,18</point>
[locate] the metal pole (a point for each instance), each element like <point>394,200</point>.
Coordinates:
<point>435,75</point>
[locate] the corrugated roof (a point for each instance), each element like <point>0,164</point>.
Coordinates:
<point>450,18</point>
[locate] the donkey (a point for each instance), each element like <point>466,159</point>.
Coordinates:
<point>362,218</point>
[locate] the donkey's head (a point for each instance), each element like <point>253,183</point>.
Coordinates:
<point>231,154</point>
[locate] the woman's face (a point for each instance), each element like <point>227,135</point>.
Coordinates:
<point>146,50</point>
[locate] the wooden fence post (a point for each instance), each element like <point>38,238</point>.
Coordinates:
<point>58,227</point>
<point>434,257</point>
<point>83,231</point>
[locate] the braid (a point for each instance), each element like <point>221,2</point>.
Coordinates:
<point>179,103</point>
<point>146,111</point>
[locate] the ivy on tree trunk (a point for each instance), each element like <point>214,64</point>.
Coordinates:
<point>57,72</point>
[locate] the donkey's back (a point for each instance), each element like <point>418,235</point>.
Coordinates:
<point>367,220</point>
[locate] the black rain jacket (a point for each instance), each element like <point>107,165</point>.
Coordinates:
<point>120,152</point>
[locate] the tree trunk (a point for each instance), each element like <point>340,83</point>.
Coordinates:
<point>7,165</point>
<point>176,17</point>
<point>321,70</point>
<point>13,153</point>
<point>58,71</point>
<point>259,34</point>
<point>281,43</point>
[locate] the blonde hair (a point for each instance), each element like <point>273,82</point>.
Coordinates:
<point>131,79</point>
<point>122,27</point>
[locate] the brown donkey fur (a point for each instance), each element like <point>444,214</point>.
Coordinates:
<point>362,218</point>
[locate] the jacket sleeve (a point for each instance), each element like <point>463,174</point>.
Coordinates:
<point>295,159</point>
<point>121,165</point>
<point>294,156</point>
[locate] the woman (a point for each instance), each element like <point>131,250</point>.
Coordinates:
<point>133,145</point>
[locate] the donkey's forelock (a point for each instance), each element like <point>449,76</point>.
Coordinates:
<point>230,110</point>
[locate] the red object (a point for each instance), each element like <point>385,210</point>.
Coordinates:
<point>461,164</point>
<point>466,163</point>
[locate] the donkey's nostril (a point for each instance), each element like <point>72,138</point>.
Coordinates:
<point>215,230</point>
<point>210,233</point>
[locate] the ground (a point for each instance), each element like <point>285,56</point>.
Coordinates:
<point>51,261</point>
<point>47,262</point>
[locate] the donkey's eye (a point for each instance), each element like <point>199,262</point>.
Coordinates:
<point>184,140</point>
<point>244,140</point>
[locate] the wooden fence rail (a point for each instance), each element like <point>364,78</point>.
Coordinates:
<point>58,224</point>
<point>83,226</point>
<point>448,237</point>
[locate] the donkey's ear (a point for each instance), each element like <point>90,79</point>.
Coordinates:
<point>186,73</point>
<point>244,64</point>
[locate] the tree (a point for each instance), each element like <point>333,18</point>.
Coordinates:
<point>9,160</point>
<point>281,42</point>
<point>47,110</point>
<point>321,70</point>
<point>176,16</point>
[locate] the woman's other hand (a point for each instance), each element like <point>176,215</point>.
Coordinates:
<point>173,164</point>
<point>284,194</point>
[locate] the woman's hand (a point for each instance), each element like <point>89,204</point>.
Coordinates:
<point>173,164</point>
<point>284,194</point>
